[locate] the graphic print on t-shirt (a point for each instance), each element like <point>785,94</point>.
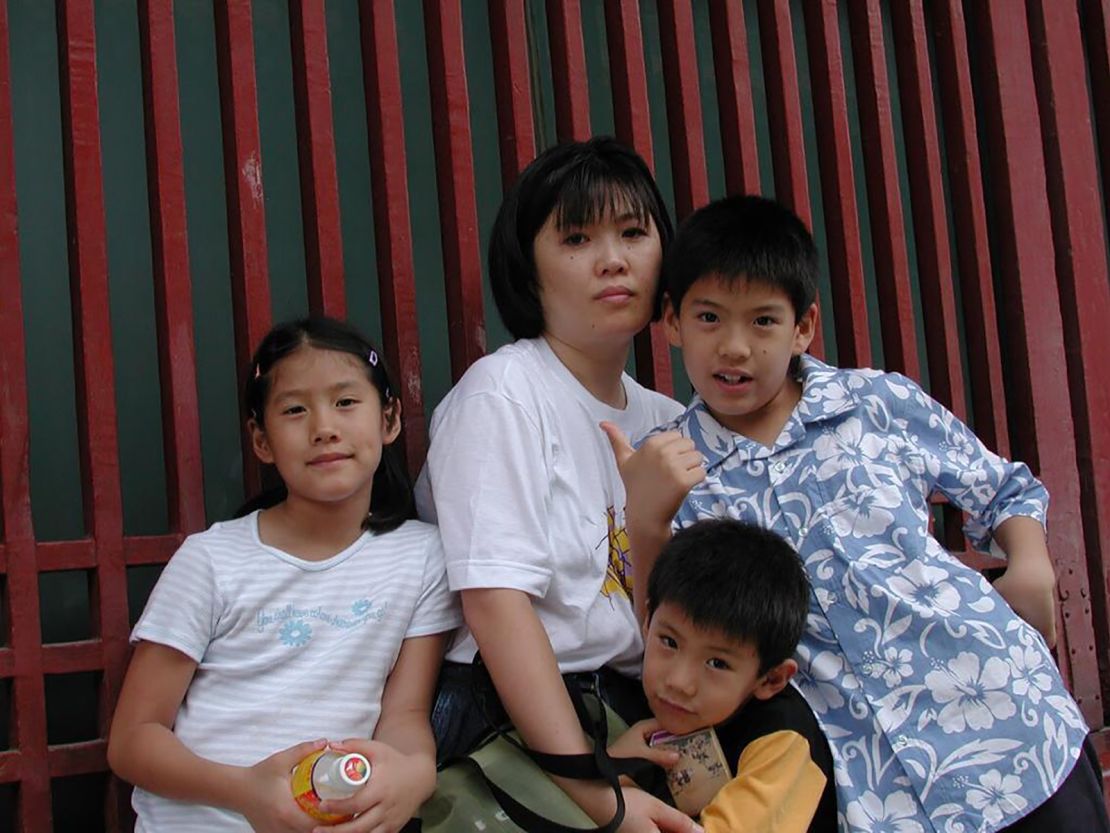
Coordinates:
<point>293,626</point>
<point>618,573</point>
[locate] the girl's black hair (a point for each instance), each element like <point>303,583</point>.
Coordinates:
<point>391,500</point>
<point>580,183</point>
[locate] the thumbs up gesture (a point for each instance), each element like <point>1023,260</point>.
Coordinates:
<point>657,476</point>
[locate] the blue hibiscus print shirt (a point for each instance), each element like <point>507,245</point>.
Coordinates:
<point>944,709</point>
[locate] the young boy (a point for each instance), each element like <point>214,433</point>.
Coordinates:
<point>726,605</point>
<point>937,691</point>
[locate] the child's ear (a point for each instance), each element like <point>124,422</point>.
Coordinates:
<point>391,420</point>
<point>805,329</point>
<point>670,322</point>
<point>259,442</point>
<point>775,679</point>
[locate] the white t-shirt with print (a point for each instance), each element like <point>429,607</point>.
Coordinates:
<point>287,650</point>
<point>523,485</point>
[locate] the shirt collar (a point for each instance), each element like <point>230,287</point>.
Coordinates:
<point>826,392</point>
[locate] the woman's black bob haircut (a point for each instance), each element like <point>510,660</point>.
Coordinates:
<point>391,500</point>
<point>579,183</point>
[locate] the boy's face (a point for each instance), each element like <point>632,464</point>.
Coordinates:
<point>697,677</point>
<point>737,341</point>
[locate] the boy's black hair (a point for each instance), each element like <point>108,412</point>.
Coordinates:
<point>744,238</point>
<point>391,500</point>
<point>580,183</point>
<point>738,578</point>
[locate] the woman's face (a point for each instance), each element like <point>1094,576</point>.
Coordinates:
<point>597,282</point>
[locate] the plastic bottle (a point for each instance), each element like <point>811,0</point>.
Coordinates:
<point>328,775</point>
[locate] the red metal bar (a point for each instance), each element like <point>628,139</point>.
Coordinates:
<point>732,72</point>
<point>28,765</point>
<point>512,85</point>
<point>883,192</point>
<point>96,401</point>
<point>458,209</point>
<point>172,287</point>
<point>568,70</point>
<point>930,220</point>
<point>78,758</point>
<point>1042,416</point>
<point>838,188</point>
<point>316,151</point>
<point>684,124</point>
<point>784,114</point>
<point>388,170</point>
<point>965,180</point>
<point>632,117</point>
<point>246,209</point>
<point>1083,279</point>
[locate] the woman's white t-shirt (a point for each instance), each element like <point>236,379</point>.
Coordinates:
<point>287,650</point>
<point>524,487</point>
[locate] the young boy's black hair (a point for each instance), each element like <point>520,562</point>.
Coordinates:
<point>738,578</point>
<point>580,183</point>
<point>745,238</point>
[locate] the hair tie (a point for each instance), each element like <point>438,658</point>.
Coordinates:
<point>372,357</point>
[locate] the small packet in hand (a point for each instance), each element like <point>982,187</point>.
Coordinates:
<point>701,771</point>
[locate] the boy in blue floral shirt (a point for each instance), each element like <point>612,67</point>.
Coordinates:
<point>942,704</point>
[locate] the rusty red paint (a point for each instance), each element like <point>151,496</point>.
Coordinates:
<point>512,86</point>
<point>23,661</point>
<point>930,220</point>
<point>316,151</point>
<point>684,123</point>
<point>1083,280</point>
<point>732,72</point>
<point>172,286</point>
<point>1040,403</point>
<point>568,70</point>
<point>965,178</point>
<point>388,171</point>
<point>838,187</point>
<point>458,210</point>
<point>892,268</point>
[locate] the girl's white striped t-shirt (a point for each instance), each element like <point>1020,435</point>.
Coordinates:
<point>287,650</point>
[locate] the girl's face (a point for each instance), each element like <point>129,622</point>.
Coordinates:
<point>324,426</point>
<point>597,282</point>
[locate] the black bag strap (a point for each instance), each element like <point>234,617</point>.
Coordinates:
<point>586,766</point>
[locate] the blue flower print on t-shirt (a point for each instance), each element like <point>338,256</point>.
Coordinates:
<point>295,633</point>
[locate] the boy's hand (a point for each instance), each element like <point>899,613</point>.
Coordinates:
<point>268,802</point>
<point>644,813</point>
<point>634,744</point>
<point>658,475</point>
<point>398,785</point>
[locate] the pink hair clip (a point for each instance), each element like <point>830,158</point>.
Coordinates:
<point>372,357</point>
<point>257,370</point>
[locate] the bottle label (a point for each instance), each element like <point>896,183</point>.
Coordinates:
<point>305,794</point>
<point>355,769</point>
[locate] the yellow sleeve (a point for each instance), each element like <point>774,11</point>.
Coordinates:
<point>776,789</point>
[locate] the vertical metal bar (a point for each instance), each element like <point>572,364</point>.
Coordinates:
<point>930,220</point>
<point>568,70</point>
<point>22,587</point>
<point>458,209</point>
<point>96,400</point>
<point>965,178</point>
<point>389,178</point>
<point>732,72</point>
<point>246,209</point>
<point>632,117</point>
<point>512,85</point>
<point>680,72</point>
<point>1083,279</point>
<point>1041,414</point>
<point>883,192</point>
<point>838,188</point>
<point>316,151</point>
<point>172,286</point>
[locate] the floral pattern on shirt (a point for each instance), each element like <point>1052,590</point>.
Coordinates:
<point>944,710</point>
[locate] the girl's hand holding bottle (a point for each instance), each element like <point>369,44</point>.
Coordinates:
<point>398,786</point>
<point>268,802</point>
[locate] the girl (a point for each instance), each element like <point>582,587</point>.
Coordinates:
<point>520,476</point>
<point>323,616</point>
